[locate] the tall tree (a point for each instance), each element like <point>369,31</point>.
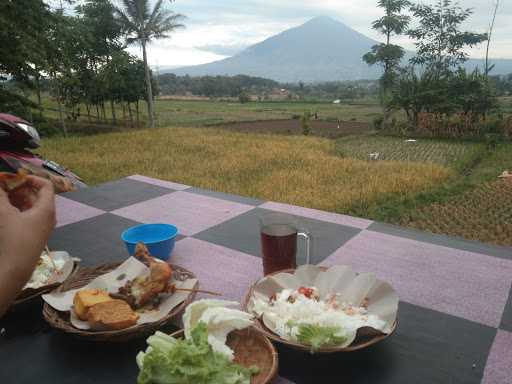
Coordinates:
<point>388,55</point>
<point>103,42</point>
<point>440,42</point>
<point>489,68</point>
<point>141,25</point>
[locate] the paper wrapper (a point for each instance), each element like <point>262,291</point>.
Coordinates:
<point>352,288</point>
<point>111,282</point>
<point>58,277</point>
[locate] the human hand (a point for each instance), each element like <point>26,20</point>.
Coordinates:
<point>24,232</point>
<point>26,219</point>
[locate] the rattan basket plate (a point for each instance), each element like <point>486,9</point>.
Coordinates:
<point>60,320</point>
<point>29,294</point>
<point>252,348</point>
<point>365,338</point>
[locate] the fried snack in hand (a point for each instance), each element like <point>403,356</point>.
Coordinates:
<point>10,181</point>
<point>61,184</point>
<point>20,192</point>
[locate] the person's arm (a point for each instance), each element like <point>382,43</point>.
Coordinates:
<point>23,236</point>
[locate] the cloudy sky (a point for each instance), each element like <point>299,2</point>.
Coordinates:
<point>219,28</point>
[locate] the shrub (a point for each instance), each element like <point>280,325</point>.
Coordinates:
<point>378,122</point>
<point>461,125</point>
<point>15,103</point>
<point>243,98</point>
<point>466,95</point>
<point>305,121</point>
<point>48,128</point>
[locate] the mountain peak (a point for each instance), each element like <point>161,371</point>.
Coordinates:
<point>322,49</point>
<point>322,19</point>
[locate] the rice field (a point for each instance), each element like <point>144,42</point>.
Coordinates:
<point>448,153</point>
<point>298,170</point>
<point>484,213</point>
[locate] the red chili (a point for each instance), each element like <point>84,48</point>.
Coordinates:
<point>308,292</point>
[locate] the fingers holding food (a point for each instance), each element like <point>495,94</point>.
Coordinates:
<point>24,190</point>
<point>11,181</point>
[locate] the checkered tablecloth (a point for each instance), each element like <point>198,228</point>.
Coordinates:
<point>455,316</point>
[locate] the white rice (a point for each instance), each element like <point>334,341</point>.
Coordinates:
<point>323,313</point>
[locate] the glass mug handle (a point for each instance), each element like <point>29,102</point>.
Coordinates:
<point>307,238</point>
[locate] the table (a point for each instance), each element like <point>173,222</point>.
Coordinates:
<point>455,315</point>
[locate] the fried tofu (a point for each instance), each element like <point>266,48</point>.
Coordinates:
<point>111,315</point>
<point>87,298</point>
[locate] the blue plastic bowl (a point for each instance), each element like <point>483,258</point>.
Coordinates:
<point>159,238</point>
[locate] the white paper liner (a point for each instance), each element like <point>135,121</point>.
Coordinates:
<point>111,282</point>
<point>352,288</point>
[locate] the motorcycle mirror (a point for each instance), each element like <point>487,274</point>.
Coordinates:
<point>35,139</point>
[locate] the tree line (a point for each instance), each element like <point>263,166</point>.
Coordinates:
<point>213,86</point>
<point>433,87</point>
<point>262,88</point>
<point>80,57</point>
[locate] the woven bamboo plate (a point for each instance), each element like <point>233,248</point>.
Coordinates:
<point>61,321</point>
<point>31,293</point>
<point>365,338</point>
<point>252,348</point>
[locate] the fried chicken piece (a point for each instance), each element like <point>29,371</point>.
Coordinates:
<point>143,290</point>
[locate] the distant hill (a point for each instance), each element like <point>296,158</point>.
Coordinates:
<point>322,49</point>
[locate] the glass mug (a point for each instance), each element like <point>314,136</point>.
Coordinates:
<point>279,234</point>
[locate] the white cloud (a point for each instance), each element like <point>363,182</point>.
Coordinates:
<point>235,23</point>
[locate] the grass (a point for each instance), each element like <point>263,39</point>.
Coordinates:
<point>205,112</point>
<point>296,170</point>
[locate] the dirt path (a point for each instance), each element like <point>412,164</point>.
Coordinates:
<point>293,127</point>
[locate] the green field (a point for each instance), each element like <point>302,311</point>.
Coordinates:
<point>193,113</point>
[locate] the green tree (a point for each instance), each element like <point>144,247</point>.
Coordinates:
<point>141,25</point>
<point>389,55</point>
<point>61,40</point>
<point>22,45</point>
<point>440,42</point>
<point>101,33</point>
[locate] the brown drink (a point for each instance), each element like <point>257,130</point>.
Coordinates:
<point>279,247</point>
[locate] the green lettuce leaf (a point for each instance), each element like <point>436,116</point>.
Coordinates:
<point>317,336</point>
<point>174,361</point>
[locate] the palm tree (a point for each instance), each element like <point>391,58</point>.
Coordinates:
<point>141,25</point>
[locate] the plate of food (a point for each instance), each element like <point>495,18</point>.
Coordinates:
<point>52,269</point>
<point>217,345</point>
<point>322,309</point>
<point>117,302</point>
